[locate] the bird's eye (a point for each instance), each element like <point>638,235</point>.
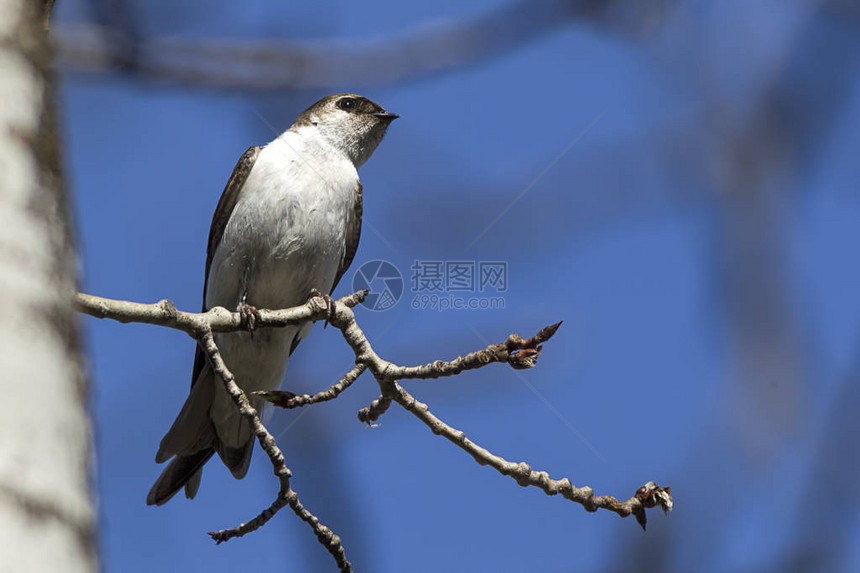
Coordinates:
<point>346,103</point>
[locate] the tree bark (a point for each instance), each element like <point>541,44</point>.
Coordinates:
<point>45,488</point>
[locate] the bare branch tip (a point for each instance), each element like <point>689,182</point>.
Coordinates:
<point>652,495</point>
<point>217,536</point>
<point>547,332</point>
<point>524,359</point>
<point>355,298</point>
<point>278,398</point>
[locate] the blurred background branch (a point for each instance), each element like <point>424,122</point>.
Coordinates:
<point>114,43</point>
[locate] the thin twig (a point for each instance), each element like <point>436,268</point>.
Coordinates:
<point>523,474</point>
<point>518,352</point>
<point>376,409</point>
<point>286,496</point>
<point>289,400</point>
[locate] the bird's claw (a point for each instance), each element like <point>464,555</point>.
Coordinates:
<point>329,304</point>
<point>249,316</point>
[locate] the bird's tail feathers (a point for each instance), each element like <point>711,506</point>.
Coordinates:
<point>191,439</point>
<point>238,459</point>
<point>192,430</point>
<point>181,471</point>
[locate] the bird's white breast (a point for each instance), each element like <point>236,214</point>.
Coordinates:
<point>286,236</point>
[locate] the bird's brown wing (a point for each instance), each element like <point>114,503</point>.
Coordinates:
<point>216,230</point>
<point>353,234</point>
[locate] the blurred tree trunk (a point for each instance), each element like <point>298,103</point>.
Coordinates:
<point>45,503</point>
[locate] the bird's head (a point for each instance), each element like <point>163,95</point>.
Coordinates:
<point>349,122</point>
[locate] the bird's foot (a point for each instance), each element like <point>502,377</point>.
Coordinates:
<point>329,304</point>
<point>249,316</point>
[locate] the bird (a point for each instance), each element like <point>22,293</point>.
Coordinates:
<point>286,227</point>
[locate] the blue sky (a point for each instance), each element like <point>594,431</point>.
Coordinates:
<point>709,340</point>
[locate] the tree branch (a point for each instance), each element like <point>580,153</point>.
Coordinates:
<point>217,319</point>
<point>519,353</point>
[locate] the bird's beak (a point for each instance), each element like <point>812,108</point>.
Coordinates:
<point>386,115</point>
